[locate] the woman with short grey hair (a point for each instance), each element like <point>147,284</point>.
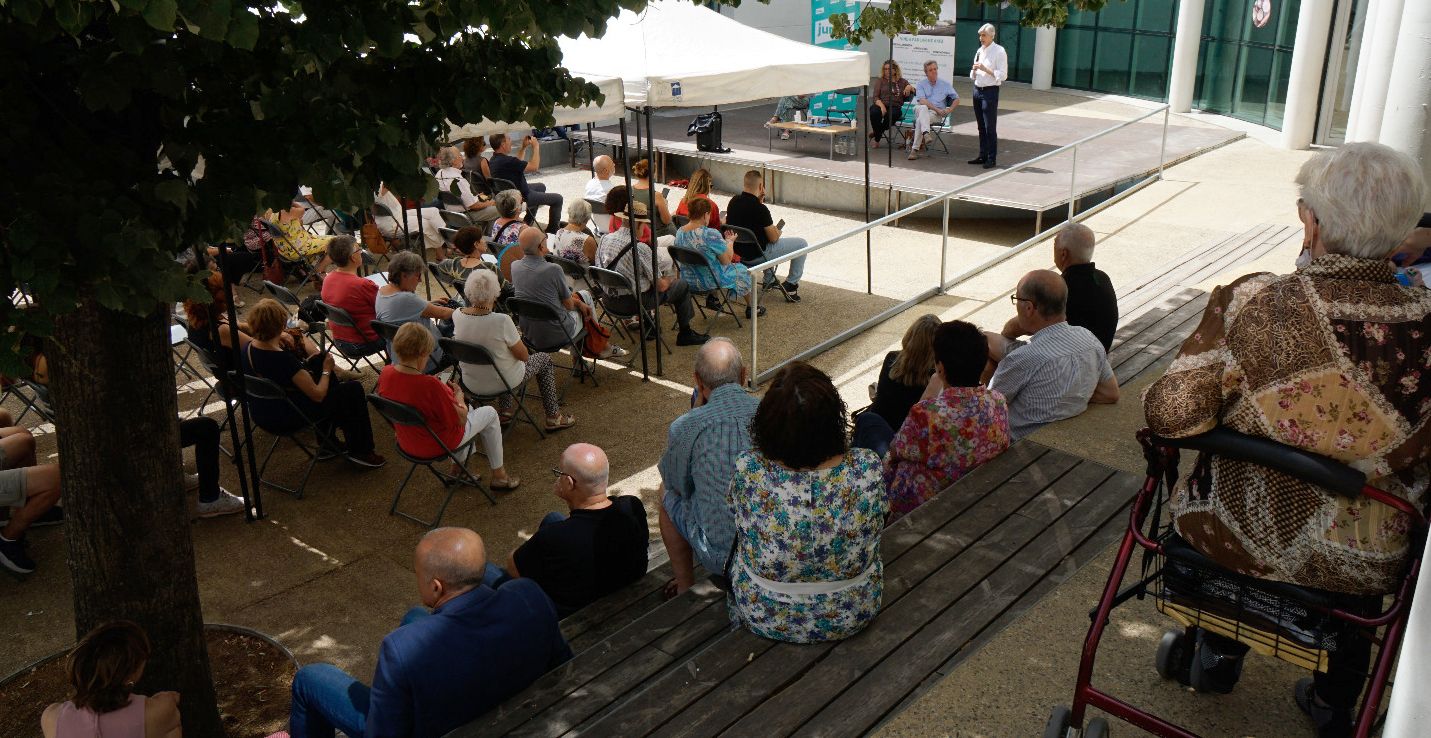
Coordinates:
<point>512,363</point>
<point>573,242</point>
<point>398,302</point>
<point>508,225</point>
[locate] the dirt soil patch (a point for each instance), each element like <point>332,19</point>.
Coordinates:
<point>251,675</point>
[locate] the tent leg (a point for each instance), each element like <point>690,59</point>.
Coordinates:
<point>590,151</point>
<point>655,216</point>
<point>252,498</point>
<point>631,225</point>
<point>869,252</point>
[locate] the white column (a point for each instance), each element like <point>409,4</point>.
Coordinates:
<point>1045,41</point>
<point>1309,52</point>
<point>1378,54</point>
<point>1406,123</point>
<point>1358,83</point>
<point>1186,41</point>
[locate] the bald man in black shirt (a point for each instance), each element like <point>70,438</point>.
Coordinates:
<point>1092,303</point>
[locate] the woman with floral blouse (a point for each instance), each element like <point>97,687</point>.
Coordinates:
<point>808,514</point>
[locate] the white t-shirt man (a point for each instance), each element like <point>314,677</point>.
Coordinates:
<point>596,188</point>
<point>445,177</point>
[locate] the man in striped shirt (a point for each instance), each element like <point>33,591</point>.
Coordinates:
<point>1059,370</point>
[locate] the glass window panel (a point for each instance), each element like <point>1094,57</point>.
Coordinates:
<point>1116,14</point>
<point>1157,15</point>
<point>1023,70</point>
<point>1256,83</point>
<point>1267,34</point>
<point>966,41</point>
<point>1152,56</point>
<point>1110,64</point>
<point>1277,99</point>
<point>1286,20</point>
<point>1073,59</point>
<point>1081,18</point>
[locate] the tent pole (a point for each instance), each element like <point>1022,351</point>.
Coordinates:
<point>631,226</point>
<point>590,151</point>
<point>422,245</point>
<point>654,216</point>
<point>869,257</point>
<point>889,114</point>
<point>252,499</point>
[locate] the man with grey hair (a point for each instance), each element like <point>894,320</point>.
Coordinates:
<point>990,69</point>
<point>933,98</point>
<point>1331,359</point>
<point>443,667</point>
<point>449,178</point>
<point>534,278</point>
<point>1092,302</point>
<point>1059,370</point>
<point>697,523</point>
<point>596,548</point>
<point>600,183</point>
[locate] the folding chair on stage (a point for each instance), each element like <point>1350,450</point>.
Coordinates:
<point>937,128</point>
<point>464,352</point>
<point>696,261</point>
<point>745,241</point>
<point>397,413</point>
<point>612,285</point>
<point>259,388</point>
<point>339,316</point>
<point>575,343</point>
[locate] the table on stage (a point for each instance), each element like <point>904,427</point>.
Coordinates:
<point>826,129</point>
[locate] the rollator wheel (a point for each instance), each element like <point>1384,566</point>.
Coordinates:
<point>1097,728</point>
<point>1171,659</point>
<point>1059,721</point>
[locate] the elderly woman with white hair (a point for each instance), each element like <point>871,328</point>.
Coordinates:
<point>1331,359</point>
<point>572,241</point>
<point>494,331</point>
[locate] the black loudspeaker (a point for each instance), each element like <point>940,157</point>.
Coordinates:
<point>706,129</point>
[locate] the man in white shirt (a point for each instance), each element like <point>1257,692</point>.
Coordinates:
<point>450,179</point>
<point>600,182</point>
<point>990,69</point>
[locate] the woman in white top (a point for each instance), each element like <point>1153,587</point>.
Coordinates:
<point>431,220</point>
<point>497,333</point>
<point>572,241</point>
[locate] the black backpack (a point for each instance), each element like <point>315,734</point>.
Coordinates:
<point>706,128</point>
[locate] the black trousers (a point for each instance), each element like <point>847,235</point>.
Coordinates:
<point>880,121</point>
<point>986,115</point>
<point>678,295</point>
<point>346,407</point>
<point>203,434</point>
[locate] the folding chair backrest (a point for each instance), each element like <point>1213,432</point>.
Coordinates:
<point>282,294</point>
<point>447,234</point>
<point>569,267</point>
<point>397,413</point>
<point>744,237</point>
<point>608,280</point>
<point>533,310</point>
<point>277,234</point>
<point>500,184</point>
<point>466,352</point>
<point>337,315</point>
<point>679,220</point>
<point>454,220</point>
<point>447,281</point>
<point>690,257</point>
<point>387,331</point>
<point>598,207</point>
<point>450,199</point>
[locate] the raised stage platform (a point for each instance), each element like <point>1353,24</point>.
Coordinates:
<point>804,173</point>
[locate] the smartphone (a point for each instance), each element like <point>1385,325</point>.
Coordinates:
<point>781,225</point>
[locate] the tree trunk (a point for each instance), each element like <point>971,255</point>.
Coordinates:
<point>126,512</point>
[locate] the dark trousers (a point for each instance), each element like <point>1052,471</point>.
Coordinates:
<point>1347,666</point>
<point>537,196</point>
<point>677,295</point>
<point>873,432</point>
<point>986,115</point>
<point>879,121</point>
<point>347,408</point>
<point>203,434</point>
<point>238,262</point>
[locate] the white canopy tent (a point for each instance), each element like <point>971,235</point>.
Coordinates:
<point>678,54</point>
<point>611,108</point>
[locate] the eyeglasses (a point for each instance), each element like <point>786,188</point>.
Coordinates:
<point>1015,299</point>
<point>559,474</point>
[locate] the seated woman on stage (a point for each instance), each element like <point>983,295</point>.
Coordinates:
<point>808,515</point>
<point>699,188</point>
<point>720,252</point>
<point>891,92</point>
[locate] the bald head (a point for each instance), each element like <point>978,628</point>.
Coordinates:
<point>718,362</point>
<point>1047,291</point>
<point>532,240</point>
<point>603,167</point>
<point>1076,240</point>
<point>588,466</point>
<point>455,557</point>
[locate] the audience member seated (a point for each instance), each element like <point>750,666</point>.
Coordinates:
<point>428,223</point>
<point>642,192</point>
<point>1326,359</point>
<point>666,289</point>
<point>600,183</point>
<point>699,188</point>
<point>747,210</point>
<point>102,669</point>
<point>785,109</point>
<point>598,547</point>
<point>697,526</point>
<point>204,319</point>
<point>905,373</point>
<point>573,242</point>
<point>720,254</point>
<point>202,433</point>
<point>317,392</point>
<point>478,207</point>
<point>442,406</point>
<point>299,244</point>
<point>473,160</point>
<point>477,647</point>
<point>29,492</point>
<point>955,428</point>
<point>502,234</point>
<point>470,246</point>
<point>620,206</point>
<point>808,514</point>
<point>398,302</point>
<point>891,91</point>
<point>346,290</point>
<point>480,324</point>
<point>534,278</point>
<point>1059,370</point>
<point>515,169</point>
<point>1092,303</point>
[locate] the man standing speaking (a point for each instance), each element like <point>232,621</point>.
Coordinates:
<point>991,68</point>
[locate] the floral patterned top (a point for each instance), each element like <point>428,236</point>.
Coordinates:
<point>811,526</point>
<point>299,242</point>
<point>944,438</point>
<point>708,242</point>
<point>1330,359</point>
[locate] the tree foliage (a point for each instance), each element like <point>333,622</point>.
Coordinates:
<point>111,105</point>
<point>908,16</point>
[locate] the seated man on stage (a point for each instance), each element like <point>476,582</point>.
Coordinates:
<point>783,108</point>
<point>932,97</point>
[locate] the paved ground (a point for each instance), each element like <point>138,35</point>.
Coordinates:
<point>331,574</point>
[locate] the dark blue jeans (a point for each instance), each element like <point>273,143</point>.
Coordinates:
<point>986,115</point>
<point>873,432</point>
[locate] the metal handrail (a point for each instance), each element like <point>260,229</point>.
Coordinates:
<point>757,376</point>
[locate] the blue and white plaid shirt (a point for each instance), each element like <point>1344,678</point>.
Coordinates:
<point>1051,377</point>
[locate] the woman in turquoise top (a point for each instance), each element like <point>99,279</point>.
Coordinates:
<point>697,236</point>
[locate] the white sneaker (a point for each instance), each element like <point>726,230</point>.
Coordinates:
<point>226,504</point>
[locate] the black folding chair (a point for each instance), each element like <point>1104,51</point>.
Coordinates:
<point>266,390</point>
<point>451,200</point>
<point>697,261</point>
<point>316,329</point>
<point>609,285</point>
<point>452,219</point>
<point>464,352</point>
<point>339,316</point>
<point>575,343</point>
<point>573,271</point>
<point>598,207</point>
<point>308,268</point>
<point>34,396</point>
<point>220,385</point>
<point>679,221</point>
<point>499,184</point>
<point>405,239</point>
<point>745,241</point>
<point>450,284</point>
<point>396,414</point>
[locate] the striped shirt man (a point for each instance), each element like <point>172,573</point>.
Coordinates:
<point>1050,377</point>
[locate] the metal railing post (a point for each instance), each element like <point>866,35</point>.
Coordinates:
<point>754,301</point>
<point>1163,147</point>
<point>944,247</point>
<point>1072,184</point>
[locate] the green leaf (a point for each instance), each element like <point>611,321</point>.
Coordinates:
<point>174,191</point>
<point>161,14</point>
<point>214,21</point>
<point>243,30</point>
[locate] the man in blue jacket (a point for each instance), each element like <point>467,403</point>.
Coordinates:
<point>439,670</point>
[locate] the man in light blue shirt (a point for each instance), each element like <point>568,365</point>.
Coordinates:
<point>933,99</point>
<point>697,523</point>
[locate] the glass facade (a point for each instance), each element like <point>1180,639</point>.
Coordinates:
<point>1016,40</point>
<point>1243,69</point>
<point>1124,49</point>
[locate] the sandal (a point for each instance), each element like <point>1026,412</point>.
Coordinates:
<point>560,422</point>
<point>669,590</point>
<point>504,485</point>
